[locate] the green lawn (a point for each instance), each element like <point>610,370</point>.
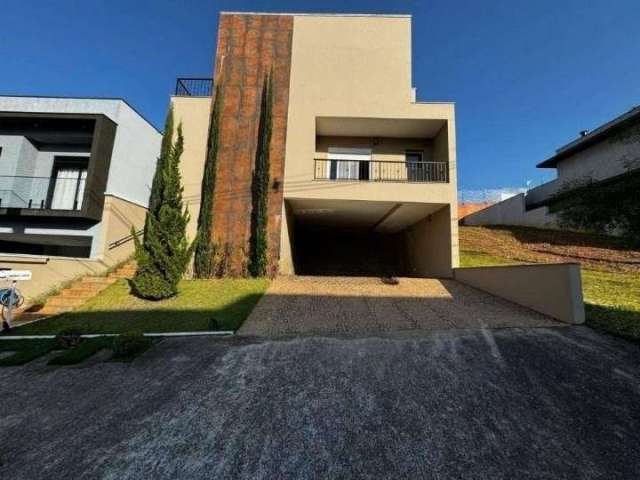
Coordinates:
<point>23,351</point>
<point>85,349</point>
<point>221,304</point>
<point>612,300</point>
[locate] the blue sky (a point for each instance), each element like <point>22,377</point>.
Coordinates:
<point>526,75</point>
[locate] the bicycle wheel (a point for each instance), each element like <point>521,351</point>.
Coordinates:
<point>4,297</point>
<point>19,298</point>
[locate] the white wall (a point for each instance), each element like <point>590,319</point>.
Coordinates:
<point>552,289</point>
<point>135,154</point>
<point>512,212</point>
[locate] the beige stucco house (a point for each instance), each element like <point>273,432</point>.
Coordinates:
<point>363,176</point>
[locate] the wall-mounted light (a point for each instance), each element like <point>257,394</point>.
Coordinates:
<point>276,185</point>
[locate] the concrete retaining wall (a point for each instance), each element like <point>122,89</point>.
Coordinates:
<point>552,289</point>
<point>51,272</point>
<point>512,212</point>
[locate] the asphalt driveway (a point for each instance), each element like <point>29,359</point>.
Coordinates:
<point>511,403</point>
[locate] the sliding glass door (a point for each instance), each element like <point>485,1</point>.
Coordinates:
<point>348,163</point>
<point>68,183</point>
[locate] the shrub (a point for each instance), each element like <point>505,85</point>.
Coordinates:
<point>129,345</point>
<point>214,324</point>
<point>68,338</point>
<point>606,207</point>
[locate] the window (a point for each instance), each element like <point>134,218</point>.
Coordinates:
<point>59,247</point>
<point>416,167</point>
<point>68,180</point>
<point>348,163</point>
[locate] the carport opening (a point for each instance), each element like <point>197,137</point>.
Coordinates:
<point>327,250</point>
<point>361,238</point>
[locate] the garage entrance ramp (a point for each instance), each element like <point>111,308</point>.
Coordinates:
<point>365,305</point>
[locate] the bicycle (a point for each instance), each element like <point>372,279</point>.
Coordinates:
<point>10,299</point>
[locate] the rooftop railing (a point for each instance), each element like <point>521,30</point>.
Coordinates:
<point>194,87</point>
<point>381,171</point>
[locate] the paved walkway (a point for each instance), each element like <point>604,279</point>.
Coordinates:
<point>360,305</point>
<point>482,404</point>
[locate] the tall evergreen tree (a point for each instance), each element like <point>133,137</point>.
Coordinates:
<point>258,248</point>
<point>165,152</point>
<point>164,253</point>
<point>205,250</point>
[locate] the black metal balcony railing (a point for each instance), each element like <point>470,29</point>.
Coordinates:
<point>381,171</point>
<point>194,87</point>
<point>38,193</point>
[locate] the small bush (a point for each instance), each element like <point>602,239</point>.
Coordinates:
<point>68,338</point>
<point>214,324</point>
<point>150,286</point>
<point>127,346</point>
<point>85,349</point>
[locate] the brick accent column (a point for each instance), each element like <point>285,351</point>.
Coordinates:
<point>248,47</point>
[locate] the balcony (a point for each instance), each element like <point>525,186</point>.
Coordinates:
<point>63,193</point>
<point>194,87</point>
<point>381,171</point>
<point>54,165</point>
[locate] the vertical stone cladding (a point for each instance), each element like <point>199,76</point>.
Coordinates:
<point>249,46</point>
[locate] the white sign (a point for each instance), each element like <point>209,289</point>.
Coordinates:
<point>15,274</point>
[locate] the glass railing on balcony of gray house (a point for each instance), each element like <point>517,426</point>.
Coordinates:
<point>42,192</point>
<point>193,87</point>
<point>381,171</point>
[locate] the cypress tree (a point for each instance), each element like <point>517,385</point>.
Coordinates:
<point>205,250</point>
<point>165,152</point>
<point>260,186</point>
<point>164,253</point>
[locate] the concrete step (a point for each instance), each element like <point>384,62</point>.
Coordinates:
<point>80,292</point>
<point>118,275</point>
<point>26,317</point>
<point>98,280</point>
<point>64,302</point>
<point>47,311</point>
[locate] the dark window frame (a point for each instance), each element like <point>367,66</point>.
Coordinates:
<point>64,161</point>
<point>415,168</point>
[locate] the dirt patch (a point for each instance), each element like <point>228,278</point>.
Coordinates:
<point>533,245</point>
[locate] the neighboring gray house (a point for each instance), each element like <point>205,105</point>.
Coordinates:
<point>606,154</point>
<point>75,175</point>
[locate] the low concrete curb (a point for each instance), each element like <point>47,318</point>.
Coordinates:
<point>222,333</point>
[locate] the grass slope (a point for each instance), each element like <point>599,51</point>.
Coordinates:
<point>611,286</point>
<point>24,351</point>
<point>85,349</point>
<point>115,310</point>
